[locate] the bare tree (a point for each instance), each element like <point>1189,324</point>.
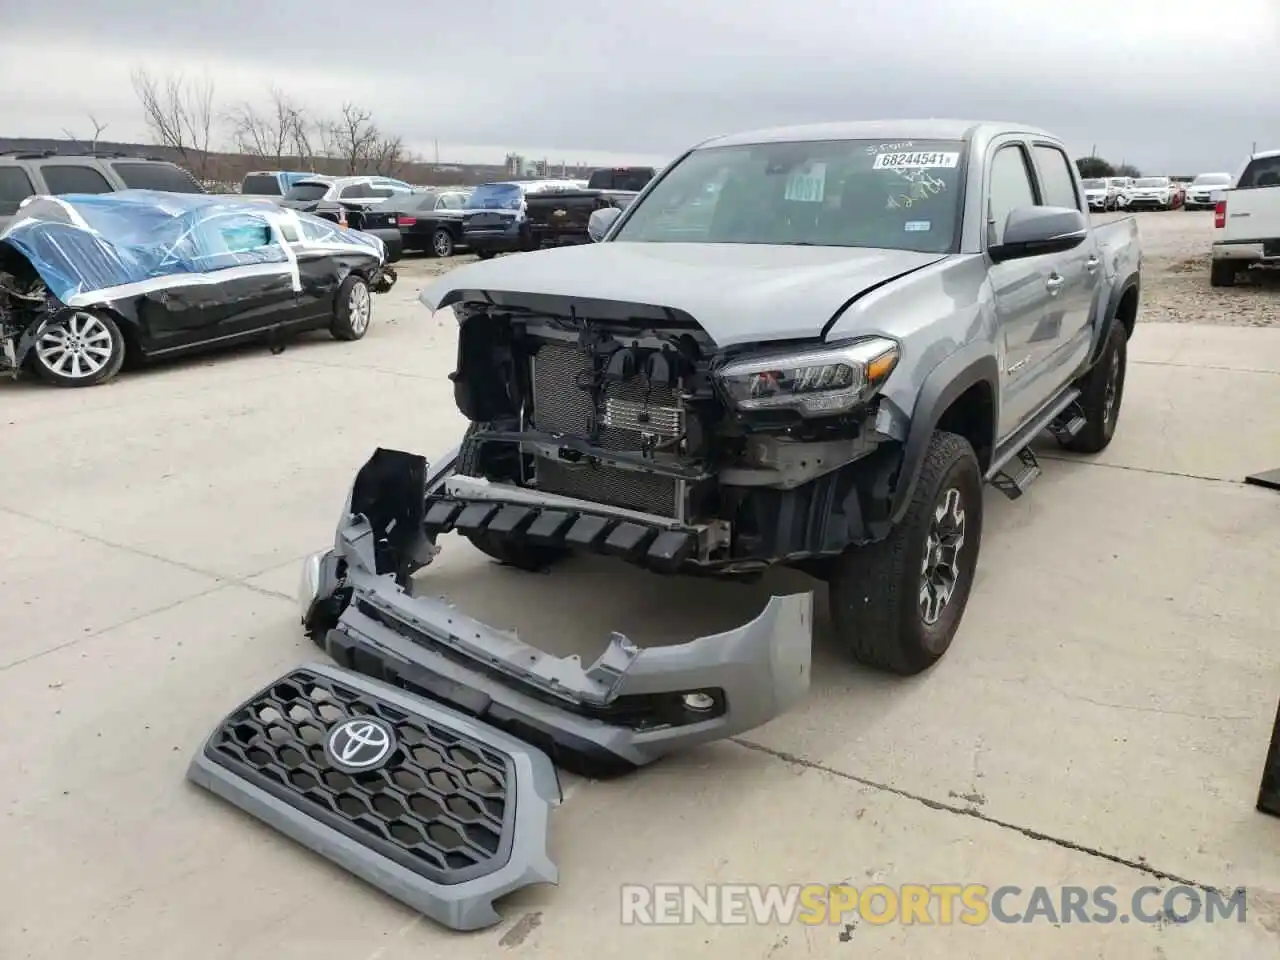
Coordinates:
<point>180,115</point>
<point>267,134</point>
<point>355,137</point>
<point>387,156</point>
<point>98,127</point>
<point>304,136</point>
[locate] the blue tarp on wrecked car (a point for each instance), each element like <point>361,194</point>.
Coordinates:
<point>96,247</point>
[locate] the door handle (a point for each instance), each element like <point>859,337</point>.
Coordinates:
<point>1091,264</point>
<point>1054,283</point>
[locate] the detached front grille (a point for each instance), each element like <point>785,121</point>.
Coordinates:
<point>438,806</point>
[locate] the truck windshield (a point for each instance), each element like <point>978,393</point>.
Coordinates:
<point>903,195</point>
<point>496,196</point>
<point>1092,184</point>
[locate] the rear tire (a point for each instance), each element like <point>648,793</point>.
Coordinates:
<point>1222,273</point>
<point>1101,392</point>
<point>509,551</point>
<point>81,348</point>
<point>442,243</point>
<point>485,254</point>
<point>353,309</point>
<point>896,604</point>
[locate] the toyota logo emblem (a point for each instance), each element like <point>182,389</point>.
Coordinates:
<point>360,744</point>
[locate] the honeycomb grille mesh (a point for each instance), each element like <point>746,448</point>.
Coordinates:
<point>439,806</point>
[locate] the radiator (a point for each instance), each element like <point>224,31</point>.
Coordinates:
<point>561,406</point>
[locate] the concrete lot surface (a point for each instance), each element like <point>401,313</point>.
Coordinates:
<point>1101,719</point>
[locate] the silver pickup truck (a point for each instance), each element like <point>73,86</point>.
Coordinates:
<point>805,346</point>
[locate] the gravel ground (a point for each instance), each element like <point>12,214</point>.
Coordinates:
<point>1175,267</point>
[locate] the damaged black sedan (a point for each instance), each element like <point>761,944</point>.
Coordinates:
<point>87,280</point>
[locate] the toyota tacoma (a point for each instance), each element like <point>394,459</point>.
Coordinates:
<point>806,347</point>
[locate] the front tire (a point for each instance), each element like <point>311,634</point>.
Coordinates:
<point>1101,392</point>
<point>509,551</point>
<point>485,254</point>
<point>896,604</point>
<point>81,348</point>
<point>353,309</point>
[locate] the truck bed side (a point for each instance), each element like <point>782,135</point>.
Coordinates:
<point>1253,215</point>
<point>1119,248</point>
<point>1253,203</point>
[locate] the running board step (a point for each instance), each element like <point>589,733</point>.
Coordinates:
<point>1018,474</point>
<point>436,809</point>
<point>1068,424</point>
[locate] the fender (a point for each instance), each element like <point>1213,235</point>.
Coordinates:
<point>973,363</point>
<point>1133,282</point>
<point>121,312</point>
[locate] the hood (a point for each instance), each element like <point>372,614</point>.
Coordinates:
<point>738,293</point>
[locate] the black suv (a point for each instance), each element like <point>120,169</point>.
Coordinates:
<point>23,174</point>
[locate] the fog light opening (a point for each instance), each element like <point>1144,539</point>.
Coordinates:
<point>698,702</point>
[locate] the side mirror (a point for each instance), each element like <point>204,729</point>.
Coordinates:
<point>1034,231</point>
<point>600,222</point>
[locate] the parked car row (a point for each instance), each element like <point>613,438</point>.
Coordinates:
<point>496,217</point>
<point>1134,193</point>
<point>522,215</point>
<point>1154,193</point>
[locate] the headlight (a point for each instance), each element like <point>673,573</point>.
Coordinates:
<point>817,383</point>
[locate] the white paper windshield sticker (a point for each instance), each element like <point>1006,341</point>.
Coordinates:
<point>921,160</point>
<point>808,185</point>
<point>917,226</point>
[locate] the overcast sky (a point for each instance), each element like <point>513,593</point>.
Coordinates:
<point>1175,86</point>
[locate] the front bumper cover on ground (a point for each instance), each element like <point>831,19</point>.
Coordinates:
<point>628,708</point>
<point>441,812</point>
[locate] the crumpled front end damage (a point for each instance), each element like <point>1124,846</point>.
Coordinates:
<point>628,708</point>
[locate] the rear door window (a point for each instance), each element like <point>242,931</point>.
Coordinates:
<point>157,176</point>
<point>15,186</point>
<point>1055,177</point>
<point>1262,172</point>
<point>356,191</point>
<point>261,185</point>
<point>69,178</point>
